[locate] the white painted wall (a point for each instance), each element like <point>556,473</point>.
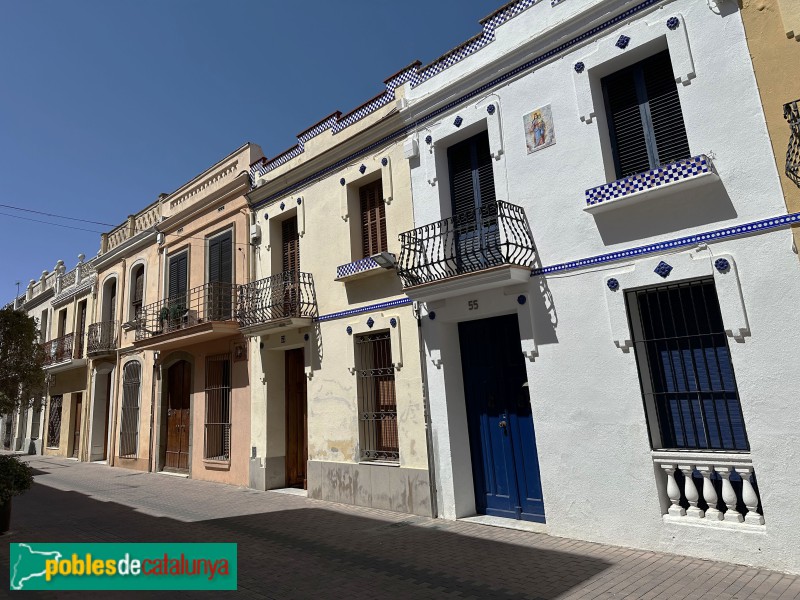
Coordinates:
<point>597,472</point>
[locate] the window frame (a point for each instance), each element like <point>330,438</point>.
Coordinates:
<point>225,410</point>
<point>137,412</point>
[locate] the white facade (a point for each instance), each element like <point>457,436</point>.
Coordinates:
<point>600,478</point>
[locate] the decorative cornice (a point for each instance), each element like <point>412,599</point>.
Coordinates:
<point>753,227</point>
<point>217,177</point>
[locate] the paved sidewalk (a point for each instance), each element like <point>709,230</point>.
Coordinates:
<point>292,547</point>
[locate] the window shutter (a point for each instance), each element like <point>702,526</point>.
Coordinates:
<point>666,116</point>
<point>213,259</point>
<point>226,259</point>
<point>462,189</point>
<point>138,287</point>
<point>373,219</point>
<point>177,275</point>
<point>291,245</point>
<point>625,123</point>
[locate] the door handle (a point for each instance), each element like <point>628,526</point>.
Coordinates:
<point>503,425</point>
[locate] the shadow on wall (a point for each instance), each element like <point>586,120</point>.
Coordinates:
<point>351,556</point>
<point>543,309</point>
<point>668,214</point>
<point>379,286</point>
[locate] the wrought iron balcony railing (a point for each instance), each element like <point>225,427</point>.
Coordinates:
<point>102,337</point>
<point>495,234</point>
<point>284,295</point>
<point>58,350</point>
<point>791,112</point>
<point>202,304</point>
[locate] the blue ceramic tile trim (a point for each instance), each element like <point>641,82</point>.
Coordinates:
<point>363,309</point>
<point>260,168</point>
<point>357,266</point>
<point>677,171</point>
<point>690,240</point>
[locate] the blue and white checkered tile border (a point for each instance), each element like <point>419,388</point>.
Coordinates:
<point>363,309</point>
<point>555,2</point>
<point>677,171</point>
<point>357,266</point>
<point>689,240</point>
<point>258,168</point>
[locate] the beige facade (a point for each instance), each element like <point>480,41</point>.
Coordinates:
<point>773,37</point>
<point>361,393</point>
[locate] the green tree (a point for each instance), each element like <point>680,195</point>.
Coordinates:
<point>21,361</point>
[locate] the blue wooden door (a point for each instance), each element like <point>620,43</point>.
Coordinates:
<point>505,463</point>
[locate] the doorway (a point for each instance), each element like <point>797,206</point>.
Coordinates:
<point>505,464</point>
<point>296,419</point>
<point>179,386</point>
<point>76,432</point>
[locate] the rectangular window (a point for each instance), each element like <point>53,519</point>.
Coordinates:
<point>62,322</point>
<point>376,393</point>
<point>54,422</point>
<point>218,408</point>
<point>36,416</point>
<point>373,218</point>
<point>690,394</point>
<point>137,298</point>
<point>43,327</point>
<point>80,329</point>
<point>645,121</point>
<point>219,295</point>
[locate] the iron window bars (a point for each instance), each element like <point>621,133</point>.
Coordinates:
<point>204,303</point>
<point>217,444</point>
<point>685,370</point>
<point>54,422</point>
<point>285,295</point>
<point>129,428</point>
<point>791,113</point>
<point>377,399</point>
<point>497,233</point>
<point>102,337</point>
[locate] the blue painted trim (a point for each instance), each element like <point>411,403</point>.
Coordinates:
<point>689,240</point>
<point>432,115</point>
<point>363,309</point>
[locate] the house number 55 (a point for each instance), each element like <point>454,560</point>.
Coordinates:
<point>472,304</point>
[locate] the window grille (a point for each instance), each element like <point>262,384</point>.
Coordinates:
<point>218,407</point>
<point>645,121</point>
<point>129,428</point>
<point>373,219</point>
<point>791,113</point>
<point>376,392</point>
<point>689,388</point>
<point>54,422</point>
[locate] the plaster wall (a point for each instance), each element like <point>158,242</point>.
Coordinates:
<point>598,476</point>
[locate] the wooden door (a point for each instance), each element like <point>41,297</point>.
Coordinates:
<point>179,387</point>
<point>505,463</point>
<point>291,267</point>
<point>76,432</point>
<point>296,420</point>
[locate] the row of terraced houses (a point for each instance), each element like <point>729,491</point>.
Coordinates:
<point>549,277</point>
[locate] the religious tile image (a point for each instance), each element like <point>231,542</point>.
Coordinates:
<point>539,130</point>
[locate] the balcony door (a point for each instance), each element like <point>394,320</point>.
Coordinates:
<point>291,267</point>
<point>173,312</point>
<point>475,232</point>
<point>220,277</point>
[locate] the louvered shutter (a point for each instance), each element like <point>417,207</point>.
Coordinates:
<point>462,187</point>
<point>138,288</point>
<point>177,275</point>
<point>213,259</point>
<point>644,116</point>
<point>226,259</point>
<point>373,219</point>
<point>291,245</point>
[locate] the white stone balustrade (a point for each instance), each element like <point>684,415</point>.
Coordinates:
<point>708,463</point>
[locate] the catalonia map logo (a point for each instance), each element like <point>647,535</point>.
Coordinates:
<point>171,566</point>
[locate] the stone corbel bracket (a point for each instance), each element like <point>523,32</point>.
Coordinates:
<point>355,176</point>
<point>604,56</point>
<point>685,266</point>
<point>459,119</point>
<point>383,321</point>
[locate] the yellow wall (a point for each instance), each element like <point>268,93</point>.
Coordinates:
<point>775,60</point>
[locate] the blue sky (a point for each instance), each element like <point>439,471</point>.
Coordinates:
<point>106,104</point>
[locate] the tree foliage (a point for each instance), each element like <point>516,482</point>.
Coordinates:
<point>21,360</point>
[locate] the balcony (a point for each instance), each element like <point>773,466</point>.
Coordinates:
<point>102,338</point>
<point>200,314</point>
<point>61,351</point>
<point>283,301</point>
<point>488,247</point>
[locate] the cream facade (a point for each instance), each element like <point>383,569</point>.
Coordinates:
<point>337,396</point>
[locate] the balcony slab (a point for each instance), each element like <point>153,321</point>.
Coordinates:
<point>194,334</point>
<point>495,277</point>
<point>277,325</point>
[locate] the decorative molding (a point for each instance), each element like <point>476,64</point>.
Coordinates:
<point>260,168</point>
<point>643,32</point>
<point>753,227</point>
<point>362,266</point>
<point>390,322</point>
<point>226,172</point>
<point>354,178</point>
<point>685,266</point>
<point>362,309</point>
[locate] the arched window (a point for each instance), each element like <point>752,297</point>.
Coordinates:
<point>129,429</point>
<point>137,291</point>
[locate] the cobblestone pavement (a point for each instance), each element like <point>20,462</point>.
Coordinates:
<point>293,547</point>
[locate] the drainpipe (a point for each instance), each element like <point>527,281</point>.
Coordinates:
<point>427,410</point>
